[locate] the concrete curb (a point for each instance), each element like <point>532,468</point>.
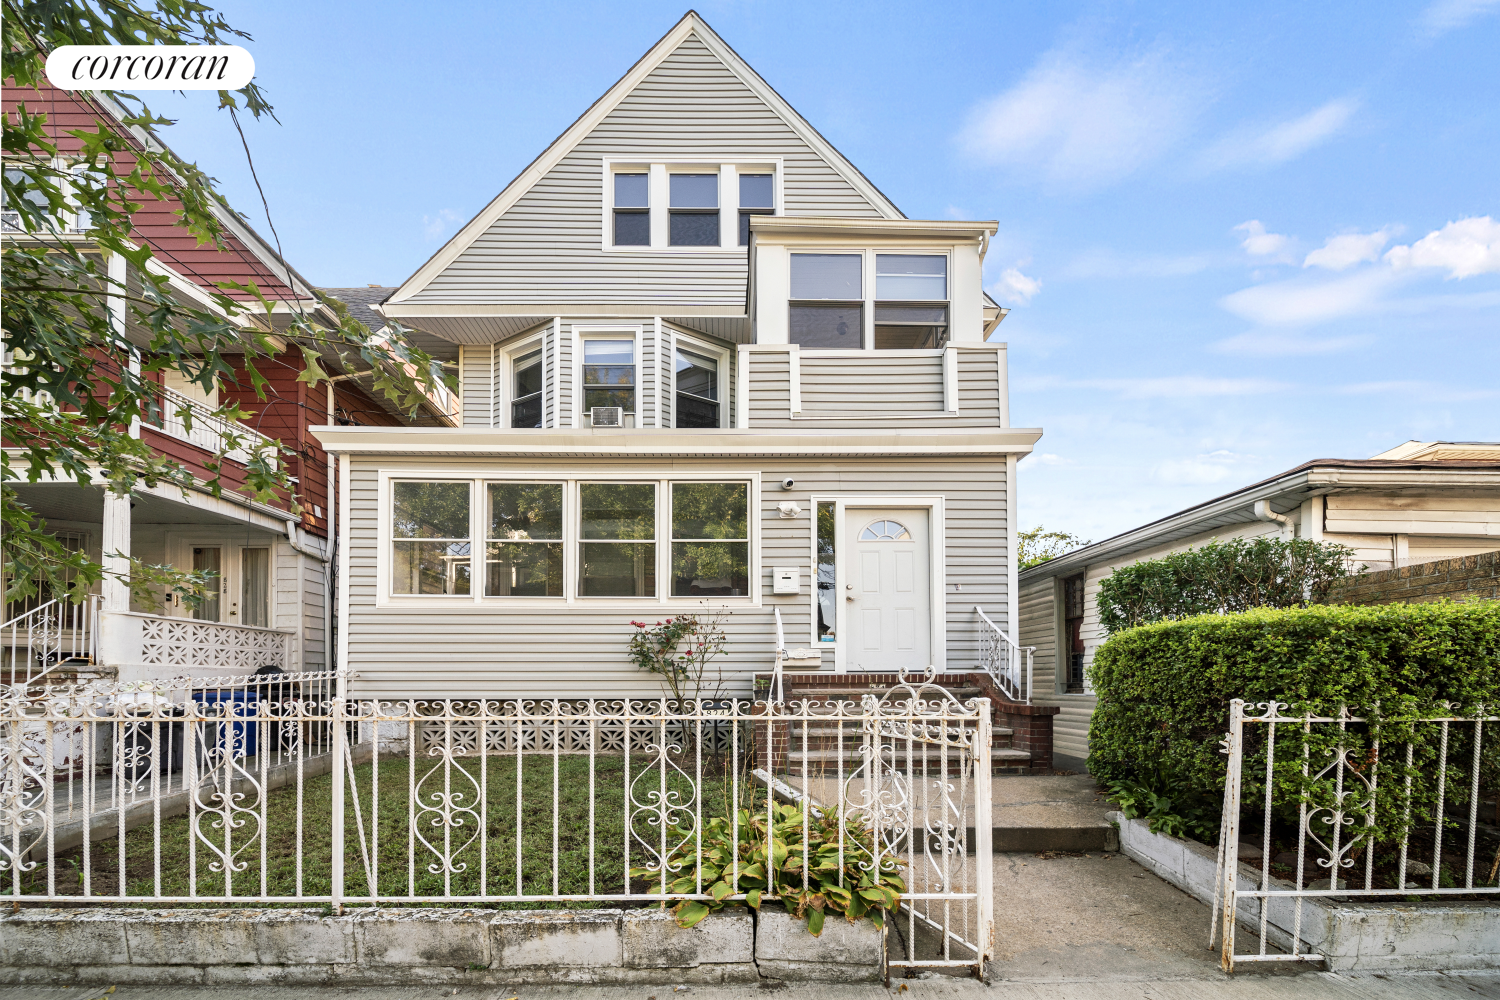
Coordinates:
<point>398,946</point>
<point>1351,935</point>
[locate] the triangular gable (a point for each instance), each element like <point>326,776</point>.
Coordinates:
<point>690,25</point>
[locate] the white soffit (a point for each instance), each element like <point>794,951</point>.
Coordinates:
<point>564,144</point>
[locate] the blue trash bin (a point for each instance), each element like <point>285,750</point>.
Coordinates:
<point>232,737</point>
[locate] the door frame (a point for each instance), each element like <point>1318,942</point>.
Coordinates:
<point>179,549</point>
<point>937,529</point>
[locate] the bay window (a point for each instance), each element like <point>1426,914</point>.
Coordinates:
<point>523,545</point>
<point>526,390</point>
<point>430,538</point>
<point>609,373</point>
<point>697,397</point>
<point>617,540</point>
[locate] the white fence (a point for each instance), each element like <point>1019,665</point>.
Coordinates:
<point>1351,807</point>
<point>1007,662</point>
<point>192,421</point>
<point>274,789</point>
<point>54,635</point>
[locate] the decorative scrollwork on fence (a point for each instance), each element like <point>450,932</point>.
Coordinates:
<point>1342,813</point>
<point>446,809</point>
<point>661,805</point>
<point>228,797</point>
<point>25,796</point>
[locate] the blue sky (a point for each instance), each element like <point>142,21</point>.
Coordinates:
<point>1234,237</point>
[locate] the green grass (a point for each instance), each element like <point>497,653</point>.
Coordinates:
<point>277,868</point>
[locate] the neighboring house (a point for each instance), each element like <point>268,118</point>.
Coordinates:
<point>704,361</point>
<point>273,605</point>
<point>1415,503</point>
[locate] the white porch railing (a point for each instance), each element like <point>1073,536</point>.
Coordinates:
<point>281,788</point>
<point>211,433</point>
<point>1007,663</point>
<point>51,635</point>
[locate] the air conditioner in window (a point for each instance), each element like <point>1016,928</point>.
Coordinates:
<point>607,416</point>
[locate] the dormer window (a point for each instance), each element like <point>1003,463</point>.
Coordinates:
<point>694,215</point>
<point>632,210</point>
<point>827,304</point>
<point>911,301</point>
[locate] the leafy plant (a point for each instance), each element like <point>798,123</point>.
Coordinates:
<point>1180,814</point>
<point>1222,578</point>
<point>680,649</point>
<point>853,889</point>
<point>1038,545</point>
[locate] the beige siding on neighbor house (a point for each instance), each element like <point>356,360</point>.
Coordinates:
<point>1357,513</point>
<point>548,246</point>
<point>579,649</point>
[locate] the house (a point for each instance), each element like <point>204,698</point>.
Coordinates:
<point>704,362</point>
<point>1418,502</point>
<point>272,559</point>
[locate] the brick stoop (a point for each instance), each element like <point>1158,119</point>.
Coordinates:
<point>1022,734</point>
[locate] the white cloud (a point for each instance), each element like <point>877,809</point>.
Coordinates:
<point>1465,248</point>
<point>1260,243</point>
<point>1439,392</point>
<point>1214,467</point>
<point>1268,145</point>
<point>1105,263</point>
<point>1301,301</point>
<point>1014,286</point>
<point>1443,16</point>
<point>1047,458</point>
<point>435,226</point>
<point>1259,343</point>
<point>1083,124</point>
<point>1163,387</point>
<point>1342,252</point>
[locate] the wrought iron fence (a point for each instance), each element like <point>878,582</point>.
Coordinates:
<point>50,637</point>
<point>1347,806</point>
<point>279,788</point>
<point>1007,662</point>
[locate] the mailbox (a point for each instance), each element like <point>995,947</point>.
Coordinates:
<point>786,580</point>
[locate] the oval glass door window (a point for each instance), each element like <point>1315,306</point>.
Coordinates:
<point>885,531</point>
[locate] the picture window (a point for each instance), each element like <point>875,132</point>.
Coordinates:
<point>523,545</point>
<point>430,538</point>
<point>617,540</point>
<point>710,540</point>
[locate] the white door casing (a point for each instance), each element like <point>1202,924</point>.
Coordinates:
<point>887,589</point>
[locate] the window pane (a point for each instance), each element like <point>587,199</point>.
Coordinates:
<point>694,229</point>
<point>524,569</point>
<point>827,553</point>
<point>609,352</point>
<point>430,568</point>
<point>757,191</point>
<point>525,510</point>
<point>707,569</point>
<point>911,276</point>
<point>207,560</point>
<point>698,375</point>
<point>695,190</point>
<point>632,229</point>
<point>827,327</point>
<point>610,569</point>
<point>694,412</point>
<point>255,587</point>
<point>623,398</point>
<point>745,214</point>
<point>908,338</point>
<point>631,191</point>
<point>618,510</point>
<point>527,412</point>
<point>826,276</point>
<point>709,510</point>
<point>430,510</point>
<point>528,374</point>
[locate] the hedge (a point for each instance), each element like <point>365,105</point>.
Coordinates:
<point>1164,691</point>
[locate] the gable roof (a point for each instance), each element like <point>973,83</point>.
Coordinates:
<point>690,25</point>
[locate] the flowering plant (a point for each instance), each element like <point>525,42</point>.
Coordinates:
<point>680,649</point>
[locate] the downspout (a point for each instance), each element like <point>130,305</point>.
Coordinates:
<point>1263,512</point>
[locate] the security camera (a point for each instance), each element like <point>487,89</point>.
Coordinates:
<point>788,483</point>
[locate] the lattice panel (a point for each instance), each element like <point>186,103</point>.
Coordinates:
<point>178,642</point>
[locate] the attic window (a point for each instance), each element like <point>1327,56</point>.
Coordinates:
<point>757,197</point>
<point>694,213</point>
<point>632,211</point>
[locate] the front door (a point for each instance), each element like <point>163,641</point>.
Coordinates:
<point>888,590</point>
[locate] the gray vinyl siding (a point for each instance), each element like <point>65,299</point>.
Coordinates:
<point>579,650</point>
<point>476,378</point>
<point>547,246</point>
<point>874,389</point>
<point>650,369</point>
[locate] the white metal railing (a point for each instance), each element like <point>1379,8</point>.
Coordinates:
<point>53,635</point>
<point>185,642</point>
<point>1008,663</point>
<point>199,426</point>
<point>1378,802</point>
<point>280,788</point>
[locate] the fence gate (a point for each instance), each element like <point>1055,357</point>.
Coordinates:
<point>1349,806</point>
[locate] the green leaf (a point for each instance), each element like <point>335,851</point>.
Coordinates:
<point>691,912</point>
<point>815,921</point>
<point>752,899</point>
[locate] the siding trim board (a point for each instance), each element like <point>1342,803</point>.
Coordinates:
<point>691,26</point>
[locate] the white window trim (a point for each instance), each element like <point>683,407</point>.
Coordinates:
<point>505,391</point>
<point>582,334</point>
<point>936,522</point>
<point>867,282</point>
<point>658,167</point>
<point>721,354</point>
<point>572,514</point>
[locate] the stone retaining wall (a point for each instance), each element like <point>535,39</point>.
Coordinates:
<point>380,946</point>
<point>1466,578</point>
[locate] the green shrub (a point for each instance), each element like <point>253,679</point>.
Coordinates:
<point>1164,692</point>
<point>1222,578</point>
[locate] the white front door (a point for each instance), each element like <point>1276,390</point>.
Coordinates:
<point>888,591</point>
